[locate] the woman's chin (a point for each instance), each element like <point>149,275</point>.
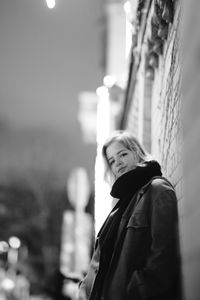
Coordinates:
<point>121,173</point>
<point>124,171</point>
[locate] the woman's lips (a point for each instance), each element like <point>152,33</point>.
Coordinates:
<point>122,170</point>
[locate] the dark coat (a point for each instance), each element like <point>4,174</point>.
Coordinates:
<point>145,264</point>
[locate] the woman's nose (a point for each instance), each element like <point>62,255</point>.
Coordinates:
<point>118,161</point>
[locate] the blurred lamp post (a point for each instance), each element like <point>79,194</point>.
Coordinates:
<point>78,190</point>
<point>77,225</point>
<point>14,243</point>
<point>102,189</point>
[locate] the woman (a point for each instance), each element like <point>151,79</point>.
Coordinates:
<point>136,254</point>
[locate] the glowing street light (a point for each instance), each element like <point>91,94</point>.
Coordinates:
<point>127,7</point>
<point>7,284</point>
<point>109,81</point>
<point>3,246</point>
<point>51,3</point>
<point>14,242</point>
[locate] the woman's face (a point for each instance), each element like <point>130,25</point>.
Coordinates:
<point>120,159</point>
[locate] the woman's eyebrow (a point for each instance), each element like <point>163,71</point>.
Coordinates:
<point>121,151</point>
<point>109,158</point>
<point>116,153</point>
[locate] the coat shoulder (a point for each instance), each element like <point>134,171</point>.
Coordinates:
<point>161,184</point>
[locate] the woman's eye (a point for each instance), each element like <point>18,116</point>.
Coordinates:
<point>111,162</point>
<point>124,154</point>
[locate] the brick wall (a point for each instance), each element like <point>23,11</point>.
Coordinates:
<point>166,106</point>
<point>139,117</point>
<point>154,115</point>
<point>132,123</point>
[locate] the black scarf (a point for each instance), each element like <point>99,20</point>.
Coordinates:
<point>124,188</point>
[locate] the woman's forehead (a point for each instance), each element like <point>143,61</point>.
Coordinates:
<point>114,148</point>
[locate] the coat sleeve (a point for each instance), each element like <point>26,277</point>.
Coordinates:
<point>159,271</point>
<point>86,285</point>
<point>81,293</point>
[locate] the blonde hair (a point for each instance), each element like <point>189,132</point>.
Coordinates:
<point>129,142</point>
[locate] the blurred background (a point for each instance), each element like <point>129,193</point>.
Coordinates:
<point>71,72</point>
<point>51,54</point>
